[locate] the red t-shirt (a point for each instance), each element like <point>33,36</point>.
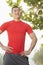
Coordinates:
<point>16,34</point>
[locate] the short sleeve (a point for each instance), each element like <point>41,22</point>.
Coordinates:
<point>4,26</point>
<point>29,29</point>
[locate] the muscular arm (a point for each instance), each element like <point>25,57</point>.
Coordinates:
<point>34,40</point>
<point>6,48</point>
<point>33,43</point>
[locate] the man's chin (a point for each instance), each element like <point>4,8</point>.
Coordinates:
<point>17,17</point>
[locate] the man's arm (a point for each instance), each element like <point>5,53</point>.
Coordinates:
<point>33,43</point>
<point>34,40</point>
<point>0,42</point>
<point>6,48</point>
<point>0,31</point>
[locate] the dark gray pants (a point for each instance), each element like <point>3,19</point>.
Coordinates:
<point>15,59</point>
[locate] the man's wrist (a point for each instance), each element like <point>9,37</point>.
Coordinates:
<point>29,50</point>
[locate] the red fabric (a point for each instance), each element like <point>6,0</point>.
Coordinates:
<point>16,34</point>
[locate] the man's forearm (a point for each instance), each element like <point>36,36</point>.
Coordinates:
<point>33,43</point>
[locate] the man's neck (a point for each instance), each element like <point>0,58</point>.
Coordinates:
<point>17,20</point>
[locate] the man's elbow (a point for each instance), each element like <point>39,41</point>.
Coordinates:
<point>35,39</point>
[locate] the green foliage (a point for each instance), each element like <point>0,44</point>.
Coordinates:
<point>42,45</point>
<point>18,2</point>
<point>42,36</point>
<point>36,10</point>
<point>34,14</point>
<point>38,56</point>
<point>11,3</point>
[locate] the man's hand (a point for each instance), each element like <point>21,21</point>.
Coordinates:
<point>25,53</point>
<point>6,48</point>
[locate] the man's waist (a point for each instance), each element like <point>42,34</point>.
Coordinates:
<point>14,52</point>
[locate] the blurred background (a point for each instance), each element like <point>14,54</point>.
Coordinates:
<point>32,13</point>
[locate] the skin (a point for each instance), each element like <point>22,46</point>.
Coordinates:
<point>17,14</point>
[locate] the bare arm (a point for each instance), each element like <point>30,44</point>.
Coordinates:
<point>6,48</point>
<point>33,43</point>
<point>34,40</point>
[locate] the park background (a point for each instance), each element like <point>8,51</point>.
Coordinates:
<point>33,15</point>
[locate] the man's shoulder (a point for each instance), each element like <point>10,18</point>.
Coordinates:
<point>25,23</point>
<point>8,22</point>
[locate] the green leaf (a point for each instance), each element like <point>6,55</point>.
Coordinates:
<point>10,14</point>
<point>9,2</point>
<point>42,44</point>
<point>40,12</point>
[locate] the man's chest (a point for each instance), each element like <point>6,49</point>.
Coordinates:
<point>19,28</point>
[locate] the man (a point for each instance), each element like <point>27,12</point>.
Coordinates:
<point>15,53</point>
